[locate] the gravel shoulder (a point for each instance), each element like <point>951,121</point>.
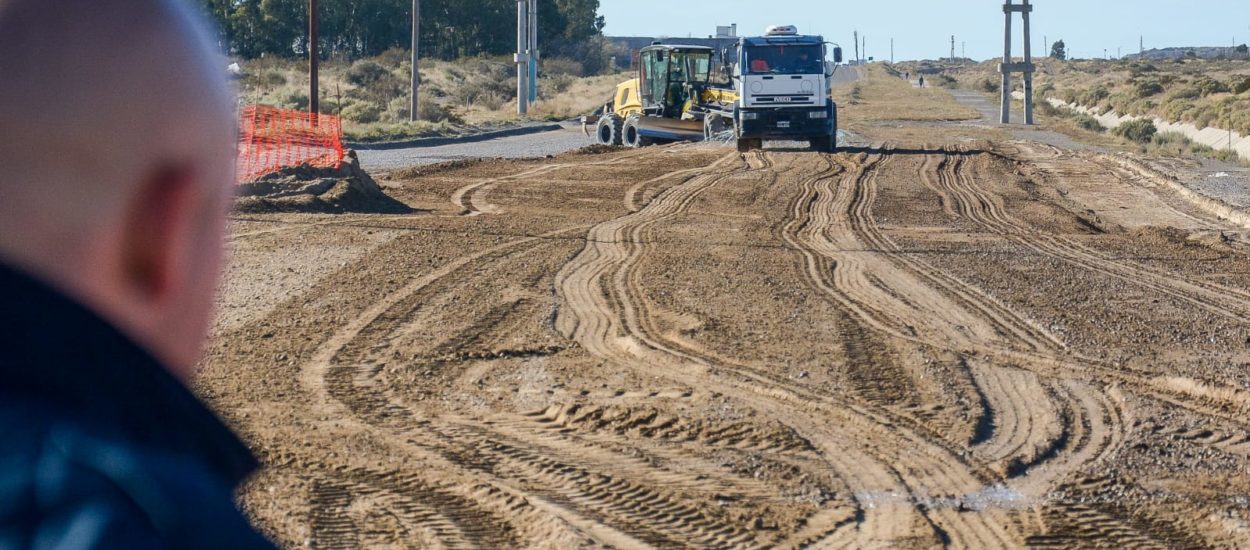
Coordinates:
<point>538,145</point>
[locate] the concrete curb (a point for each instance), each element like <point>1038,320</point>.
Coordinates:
<point>436,141</point>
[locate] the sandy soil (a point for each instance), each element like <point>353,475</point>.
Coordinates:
<point>937,340</point>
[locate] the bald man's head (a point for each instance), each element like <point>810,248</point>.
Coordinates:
<point>117,158</point>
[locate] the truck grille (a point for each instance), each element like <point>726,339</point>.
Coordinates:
<point>786,99</point>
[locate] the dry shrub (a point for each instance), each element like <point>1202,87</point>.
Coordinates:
<point>1148,88</point>
<point>1242,85</point>
<point>1086,122</point>
<point>1139,130</point>
<point>366,72</point>
<point>363,112</point>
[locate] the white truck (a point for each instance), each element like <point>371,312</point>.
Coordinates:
<point>782,80</point>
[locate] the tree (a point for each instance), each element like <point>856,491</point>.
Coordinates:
<point>361,28</point>
<point>1059,51</point>
<point>1243,49</point>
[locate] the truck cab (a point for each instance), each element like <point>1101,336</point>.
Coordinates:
<point>783,81</point>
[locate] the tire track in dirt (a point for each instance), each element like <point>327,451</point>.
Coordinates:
<point>471,198</point>
<point>586,495</point>
<point>368,409</point>
<point>608,321</point>
<point>823,227</point>
<point>615,489</point>
<point>1022,435</point>
<point>1091,430</point>
<point>633,203</point>
<point>987,210</point>
<point>431,515</point>
<point>1090,426</point>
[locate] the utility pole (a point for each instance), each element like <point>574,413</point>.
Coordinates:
<point>865,49</point>
<point>534,50</point>
<point>416,43</point>
<point>1142,44</point>
<point>1009,66</point>
<point>891,50</point>
<point>952,48</point>
<point>857,47</point>
<point>314,106</point>
<point>522,58</point>
<point>1028,63</point>
<point>1045,46</point>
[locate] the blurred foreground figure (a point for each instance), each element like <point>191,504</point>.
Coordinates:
<point>117,140</point>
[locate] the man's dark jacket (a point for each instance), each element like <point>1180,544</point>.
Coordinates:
<point>100,447</point>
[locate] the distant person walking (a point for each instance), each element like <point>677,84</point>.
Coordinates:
<point>117,130</point>
<point>921,81</point>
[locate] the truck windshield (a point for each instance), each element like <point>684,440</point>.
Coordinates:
<point>690,67</point>
<point>785,59</point>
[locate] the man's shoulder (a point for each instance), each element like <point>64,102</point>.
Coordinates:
<point>59,473</point>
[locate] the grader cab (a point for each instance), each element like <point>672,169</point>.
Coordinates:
<point>657,106</point>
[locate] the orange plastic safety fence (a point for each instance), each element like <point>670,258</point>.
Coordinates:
<point>272,138</point>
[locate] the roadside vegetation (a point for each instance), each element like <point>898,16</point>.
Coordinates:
<point>1207,93</point>
<point>466,65</point>
<point>463,96</point>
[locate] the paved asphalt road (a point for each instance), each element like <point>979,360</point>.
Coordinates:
<point>526,146</point>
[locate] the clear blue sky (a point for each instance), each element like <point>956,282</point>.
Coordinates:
<point>922,28</point>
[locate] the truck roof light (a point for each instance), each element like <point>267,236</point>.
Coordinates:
<point>781,30</point>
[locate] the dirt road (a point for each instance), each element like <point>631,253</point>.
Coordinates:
<point>941,342</point>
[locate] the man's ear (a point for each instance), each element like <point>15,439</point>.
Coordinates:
<point>159,232</point>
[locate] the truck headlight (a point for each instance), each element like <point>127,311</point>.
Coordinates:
<point>817,114</point>
<point>750,116</point>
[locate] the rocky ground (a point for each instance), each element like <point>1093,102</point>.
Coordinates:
<point>948,337</point>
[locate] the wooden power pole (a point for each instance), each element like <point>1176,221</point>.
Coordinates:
<point>416,43</point>
<point>857,62</point>
<point>313,103</point>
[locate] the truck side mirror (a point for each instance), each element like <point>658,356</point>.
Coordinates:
<point>837,55</point>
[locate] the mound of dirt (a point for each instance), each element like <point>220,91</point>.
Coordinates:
<point>598,149</point>
<point>310,189</point>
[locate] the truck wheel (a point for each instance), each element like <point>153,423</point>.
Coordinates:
<point>825,144</point>
<point>608,132</point>
<point>746,145</point>
<point>631,137</point>
<point>713,127</point>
